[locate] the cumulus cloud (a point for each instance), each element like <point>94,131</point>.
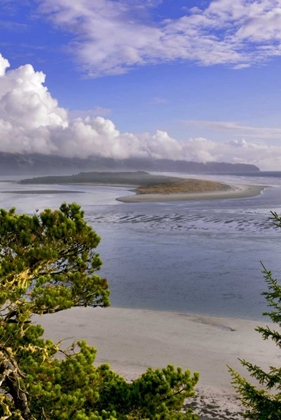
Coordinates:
<point>267,157</point>
<point>114,36</point>
<point>31,121</point>
<point>4,64</point>
<point>98,111</point>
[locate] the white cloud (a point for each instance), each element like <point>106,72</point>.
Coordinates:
<point>32,121</point>
<point>4,64</point>
<point>25,101</point>
<point>236,129</point>
<point>193,9</point>
<point>95,112</point>
<point>112,37</point>
<point>241,66</point>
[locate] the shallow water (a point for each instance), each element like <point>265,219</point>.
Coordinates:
<point>199,257</point>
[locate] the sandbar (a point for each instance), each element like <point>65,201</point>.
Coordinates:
<point>133,339</point>
<point>234,191</point>
<point>41,192</point>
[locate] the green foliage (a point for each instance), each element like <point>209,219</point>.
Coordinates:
<point>264,402</point>
<point>48,264</point>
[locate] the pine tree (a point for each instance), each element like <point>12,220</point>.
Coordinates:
<point>264,402</point>
<point>48,264</point>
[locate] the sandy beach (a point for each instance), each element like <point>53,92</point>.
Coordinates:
<point>235,191</point>
<point>133,339</point>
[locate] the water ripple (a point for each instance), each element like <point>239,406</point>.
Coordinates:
<point>224,222</point>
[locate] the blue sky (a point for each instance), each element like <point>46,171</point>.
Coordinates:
<point>193,80</point>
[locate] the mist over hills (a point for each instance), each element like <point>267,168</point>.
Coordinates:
<point>39,164</point>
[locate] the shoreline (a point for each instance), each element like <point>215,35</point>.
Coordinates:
<point>131,340</point>
<point>235,191</point>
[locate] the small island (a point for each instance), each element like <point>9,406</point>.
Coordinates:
<point>153,187</point>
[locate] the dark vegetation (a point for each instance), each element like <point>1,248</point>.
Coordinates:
<point>262,400</point>
<point>48,264</point>
<point>117,178</point>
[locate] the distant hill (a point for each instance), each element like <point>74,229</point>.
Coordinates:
<point>37,164</point>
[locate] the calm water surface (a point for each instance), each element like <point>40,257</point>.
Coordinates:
<point>199,257</point>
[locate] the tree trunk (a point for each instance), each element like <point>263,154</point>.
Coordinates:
<point>11,380</point>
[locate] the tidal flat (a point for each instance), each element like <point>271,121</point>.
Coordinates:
<point>131,340</point>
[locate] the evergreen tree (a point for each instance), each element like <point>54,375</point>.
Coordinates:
<point>264,402</point>
<point>48,264</point>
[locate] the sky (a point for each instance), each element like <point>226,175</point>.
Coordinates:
<point>177,79</point>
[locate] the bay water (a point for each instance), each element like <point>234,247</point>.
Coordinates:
<point>192,257</point>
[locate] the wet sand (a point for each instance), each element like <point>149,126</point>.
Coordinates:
<point>235,191</point>
<point>133,339</point>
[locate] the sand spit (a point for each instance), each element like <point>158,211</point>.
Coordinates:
<point>133,339</point>
<point>234,191</point>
